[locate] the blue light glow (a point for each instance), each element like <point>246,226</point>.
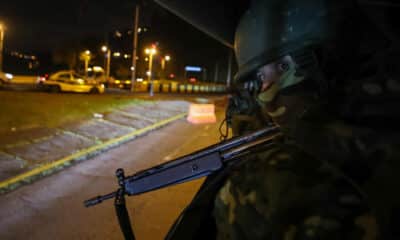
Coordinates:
<point>192,69</point>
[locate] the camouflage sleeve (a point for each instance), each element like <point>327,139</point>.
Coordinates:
<point>286,194</point>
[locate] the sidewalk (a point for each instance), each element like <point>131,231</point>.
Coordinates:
<point>29,155</point>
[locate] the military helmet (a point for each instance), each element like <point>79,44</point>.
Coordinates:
<point>271,29</point>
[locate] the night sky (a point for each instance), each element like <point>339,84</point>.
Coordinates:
<point>38,25</point>
<point>42,26</point>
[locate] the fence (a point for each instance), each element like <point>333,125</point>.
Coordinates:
<point>173,87</point>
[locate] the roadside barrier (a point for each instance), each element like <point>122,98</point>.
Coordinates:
<point>165,87</point>
<point>177,87</point>
<point>174,87</point>
<point>182,88</point>
<point>201,113</point>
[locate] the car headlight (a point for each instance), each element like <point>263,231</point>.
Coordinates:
<point>9,75</point>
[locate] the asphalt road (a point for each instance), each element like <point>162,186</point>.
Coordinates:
<point>52,208</point>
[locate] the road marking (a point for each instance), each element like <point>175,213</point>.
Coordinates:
<point>115,124</point>
<point>21,160</point>
<point>17,144</point>
<point>129,114</point>
<point>46,169</point>
<point>41,139</point>
<point>76,134</point>
<point>24,142</point>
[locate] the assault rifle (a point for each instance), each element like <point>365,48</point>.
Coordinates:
<point>193,166</point>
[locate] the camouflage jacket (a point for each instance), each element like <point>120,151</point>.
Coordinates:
<point>336,178</point>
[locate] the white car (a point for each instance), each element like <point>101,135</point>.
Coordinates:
<point>69,81</point>
<point>5,78</point>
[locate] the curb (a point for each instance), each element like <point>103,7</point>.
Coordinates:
<point>47,169</point>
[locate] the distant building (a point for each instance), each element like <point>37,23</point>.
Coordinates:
<point>21,63</point>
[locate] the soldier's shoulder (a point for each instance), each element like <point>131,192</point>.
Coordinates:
<point>281,192</point>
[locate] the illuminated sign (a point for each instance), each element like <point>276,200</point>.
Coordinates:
<point>192,69</point>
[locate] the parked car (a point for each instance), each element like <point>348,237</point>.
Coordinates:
<point>118,83</point>
<point>97,75</point>
<point>5,78</point>
<point>69,81</point>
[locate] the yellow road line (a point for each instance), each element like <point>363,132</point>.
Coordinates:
<point>76,156</point>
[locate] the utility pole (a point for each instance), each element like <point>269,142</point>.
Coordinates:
<point>164,61</point>
<point>85,56</point>
<point>150,73</point>
<point>2,27</point>
<point>135,41</point>
<point>151,51</point>
<point>108,64</point>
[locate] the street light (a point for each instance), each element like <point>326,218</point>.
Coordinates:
<point>2,28</point>
<point>85,56</point>
<point>165,59</point>
<point>107,64</point>
<point>150,51</point>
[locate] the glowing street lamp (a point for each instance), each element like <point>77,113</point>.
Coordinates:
<point>165,59</point>
<point>2,29</point>
<point>107,64</point>
<point>85,56</point>
<point>150,51</point>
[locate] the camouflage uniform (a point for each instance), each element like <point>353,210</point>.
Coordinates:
<point>284,193</point>
<point>334,178</point>
<point>335,174</point>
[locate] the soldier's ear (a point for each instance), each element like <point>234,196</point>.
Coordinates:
<point>282,66</point>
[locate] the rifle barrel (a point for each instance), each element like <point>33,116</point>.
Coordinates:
<point>99,199</point>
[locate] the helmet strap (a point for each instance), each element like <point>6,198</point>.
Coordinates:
<point>309,66</point>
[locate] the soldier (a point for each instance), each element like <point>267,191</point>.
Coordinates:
<point>327,77</point>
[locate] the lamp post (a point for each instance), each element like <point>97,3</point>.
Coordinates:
<point>2,28</point>
<point>165,59</point>
<point>150,51</point>
<point>86,58</point>
<point>107,62</point>
<point>135,43</point>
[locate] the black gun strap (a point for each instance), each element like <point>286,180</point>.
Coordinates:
<point>123,216</point>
